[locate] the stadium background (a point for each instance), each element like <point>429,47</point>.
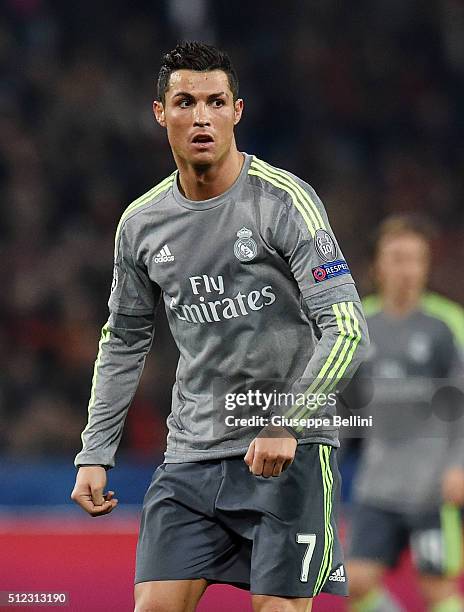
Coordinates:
<point>361,98</point>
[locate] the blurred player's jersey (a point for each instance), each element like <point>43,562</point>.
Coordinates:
<point>242,276</point>
<point>411,385</point>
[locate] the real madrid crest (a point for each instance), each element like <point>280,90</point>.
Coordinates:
<point>245,248</point>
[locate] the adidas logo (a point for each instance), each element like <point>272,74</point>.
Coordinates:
<point>164,255</point>
<point>338,575</point>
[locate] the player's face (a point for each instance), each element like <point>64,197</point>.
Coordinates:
<point>402,263</point>
<point>199,114</point>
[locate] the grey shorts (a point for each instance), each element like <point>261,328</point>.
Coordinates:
<point>435,538</point>
<point>273,536</point>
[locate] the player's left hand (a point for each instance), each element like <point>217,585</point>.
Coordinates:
<point>453,486</point>
<point>271,452</point>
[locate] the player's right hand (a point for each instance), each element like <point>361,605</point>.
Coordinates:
<point>88,491</point>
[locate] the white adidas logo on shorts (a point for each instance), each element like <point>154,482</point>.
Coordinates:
<point>338,575</point>
<point>164,255</point>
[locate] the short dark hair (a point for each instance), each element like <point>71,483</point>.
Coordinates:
<point>195,56</point>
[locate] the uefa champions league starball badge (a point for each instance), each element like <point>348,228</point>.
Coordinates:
<point>245,248</point>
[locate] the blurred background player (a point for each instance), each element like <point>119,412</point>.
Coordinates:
<point>411,477</point>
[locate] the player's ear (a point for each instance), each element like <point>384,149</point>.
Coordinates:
<point>238,110</point>
<point>158,111</point>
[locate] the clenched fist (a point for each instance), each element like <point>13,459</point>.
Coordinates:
<point>271,452</point>
<point>88,491</point>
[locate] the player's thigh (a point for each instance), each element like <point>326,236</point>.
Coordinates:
<point>177,540</point>
<point>296,549</point>
<point>168,595</point>
<point>270,603</point>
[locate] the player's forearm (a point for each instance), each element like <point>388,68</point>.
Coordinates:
<point>338,354</point>
<point>341,349</point>
<point>123,346</point>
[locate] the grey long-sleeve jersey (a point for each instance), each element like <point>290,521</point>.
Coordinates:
<point>414,376</point>
<point>259,299</point>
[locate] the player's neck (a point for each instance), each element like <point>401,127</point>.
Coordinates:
<point>400,305</point>
<point>205,182</point>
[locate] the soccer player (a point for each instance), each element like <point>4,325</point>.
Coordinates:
<point>411,469</point>
<point>255,288</point>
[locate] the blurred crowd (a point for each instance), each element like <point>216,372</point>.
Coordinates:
<point>362,99</point>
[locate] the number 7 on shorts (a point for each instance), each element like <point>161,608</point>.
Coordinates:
<point>310,540</point>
